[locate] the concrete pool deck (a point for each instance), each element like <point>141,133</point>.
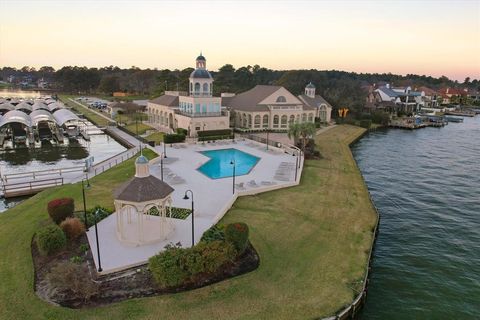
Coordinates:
<point>212,197</point>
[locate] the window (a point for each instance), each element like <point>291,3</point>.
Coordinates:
<point>275,121</point>
<point>205,88</point>
<point>249,121</point>
<point>304,117</point>
<point>284,121</point>
<point>197,107</point>
<point>265,121</point>
<point>257,121</point>
<point>292,120</point>
<point>281,99</point>
<point>310,117</point>
<point>204,108</point>
<point>197,87</point>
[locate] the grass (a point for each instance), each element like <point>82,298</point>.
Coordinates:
<point>89,114</point>
<point>142,128</point>
<point>313,241</point>
<point>156,136</point>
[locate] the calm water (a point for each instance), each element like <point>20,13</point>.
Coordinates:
<point>219,165</point>
<point>426,185</point>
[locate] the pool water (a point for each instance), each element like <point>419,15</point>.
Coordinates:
<point>219,164</point>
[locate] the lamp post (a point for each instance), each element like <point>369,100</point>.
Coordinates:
<point>84,200</point>
<point>233,185</point>
<point>193,225</point>
<point>136,123</point>
<point>296,166</point>
<point>164,149</point>
<point>267,138</point>
<point>161,164</point>
<point>98,245</point>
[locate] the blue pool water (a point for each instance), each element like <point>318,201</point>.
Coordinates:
<point>219,164</point>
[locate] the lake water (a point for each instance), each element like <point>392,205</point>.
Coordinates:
<point>426,185</point>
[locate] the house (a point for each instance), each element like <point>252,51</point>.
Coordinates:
<point>430,97</point>
<point>323,109</point>
<point>393,100</point>
<point>453,95</point>
<point>194,111</point>
<point>267,107</point>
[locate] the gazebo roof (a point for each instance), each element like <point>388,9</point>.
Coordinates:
<point>143,189</point>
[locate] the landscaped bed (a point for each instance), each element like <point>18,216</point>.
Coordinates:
<point>313,241</point>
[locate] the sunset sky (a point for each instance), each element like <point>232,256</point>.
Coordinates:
<point>423,37</point>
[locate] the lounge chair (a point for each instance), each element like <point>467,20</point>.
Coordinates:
<point>240,186</point>
<point>268,183</point>
<point>252,184</point>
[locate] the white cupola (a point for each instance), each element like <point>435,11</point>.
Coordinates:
<point>310,90</point>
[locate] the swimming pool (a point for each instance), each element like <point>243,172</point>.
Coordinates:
<point>219,164</point>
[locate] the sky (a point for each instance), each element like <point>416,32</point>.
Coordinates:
<point>421,37</point>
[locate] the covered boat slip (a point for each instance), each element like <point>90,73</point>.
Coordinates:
<point>40,121</point>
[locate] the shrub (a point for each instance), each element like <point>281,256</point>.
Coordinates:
<point>176,266</point>
<point>167,266</point>
<point>72,227</point>
<point>220,132</point>
<point>60,209</point>
<point>380,117</point>
<point>50,239</point>
<point>102,213</point>
<point>213,234</point>
<point>215,254</point>
<point>237,234</point>
<point>182,131</point>
<point>173,138</point>
<point>73,278</point>
<point>366,124</point>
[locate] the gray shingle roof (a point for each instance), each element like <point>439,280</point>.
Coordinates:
<point>313,102</point>
<point>200,74</point>
<point>143,189</point>
<point>249,100</point>
<point>166,100</point>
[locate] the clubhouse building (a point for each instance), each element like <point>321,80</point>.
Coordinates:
<point>264,107</point>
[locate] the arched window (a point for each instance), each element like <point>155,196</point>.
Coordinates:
<point>257,121</point>
<point>297,119</point>
<point>310,117</point>
<point>265,121</point>
<point>249,125</point>
<point>205,88</point>
<point>291,120</point>
<point>284,121</point>
<point>304,117</point>
<point>275,121</point>
<point>191,86</point>
<point>323,113</point>
<point>281,99</point>
<point>197,87</point>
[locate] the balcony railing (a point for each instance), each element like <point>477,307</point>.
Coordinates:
<point>200,94</point>
<point>202,114</point>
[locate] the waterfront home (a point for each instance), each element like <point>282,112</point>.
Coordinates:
<point>195,110</point>
<point>393,100</point>
<point>453,95</point>
<point>429,96</point>
<point>269,107</point>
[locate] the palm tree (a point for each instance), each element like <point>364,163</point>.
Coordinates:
<point>301,132</point>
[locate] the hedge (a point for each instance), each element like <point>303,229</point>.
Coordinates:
<point>214,138</point>
<point>60,209</point>
<point>366,123</point>
<point>174,138</point>
<point>237,234</point>
<point>182,131</point>
<point>50,239</point>
<point>176,265</point>
<point>222,132</point>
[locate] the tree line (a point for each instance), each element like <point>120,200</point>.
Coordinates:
<point>340,88</point>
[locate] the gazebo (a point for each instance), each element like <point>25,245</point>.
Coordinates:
<point>141,206</point>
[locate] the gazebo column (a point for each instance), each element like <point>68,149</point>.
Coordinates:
<point>122,231</point>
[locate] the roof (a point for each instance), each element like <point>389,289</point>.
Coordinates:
<point>6,106</point>
<point>141,159</point>
<point>39,105</point>
<point>23,105</point>
<point>64,115</point>
<point>143,189</point>
<point>310,85</point>
<point>249,100</point>
<point>41,115</point>
<point>16,116</point>
<point>166,100</point>
<point>201,57</point>
<point>428,91</point>
<point>314,102</point>
<point>200,74</point>
<point>453,91</point>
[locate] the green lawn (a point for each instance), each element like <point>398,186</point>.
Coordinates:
<point>313,241</point>
<point>142,128</point>
<point>156,136</point>
<point>89,114</point>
